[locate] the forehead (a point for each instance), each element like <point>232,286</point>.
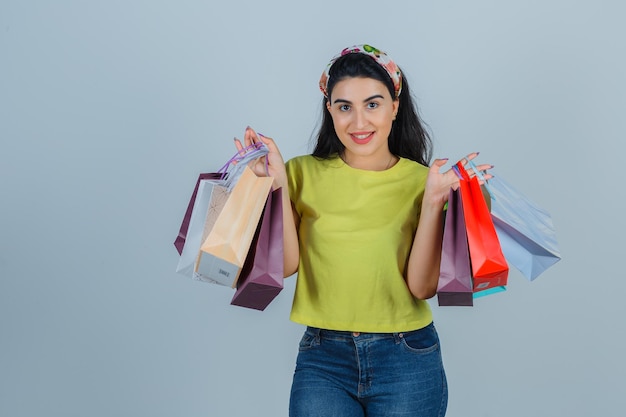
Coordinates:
<point>359,88</point>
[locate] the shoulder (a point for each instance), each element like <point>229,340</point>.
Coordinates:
<point>307,163</point>
<point>408,166</point>
<point>298,161</point>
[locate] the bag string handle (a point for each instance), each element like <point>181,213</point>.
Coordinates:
<point>233,168</point>
<point>480,176</point>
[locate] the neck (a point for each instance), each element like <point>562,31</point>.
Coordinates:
<point>371,163</point>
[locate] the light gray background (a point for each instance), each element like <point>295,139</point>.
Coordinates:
<point>109,110</point>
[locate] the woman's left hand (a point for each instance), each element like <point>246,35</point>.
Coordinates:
<point>438,183</point>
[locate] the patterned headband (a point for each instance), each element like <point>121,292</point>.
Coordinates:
<point>377,55</point>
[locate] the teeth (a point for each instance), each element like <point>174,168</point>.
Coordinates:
<point>361,136</point>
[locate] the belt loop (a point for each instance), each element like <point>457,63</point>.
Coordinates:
<point>397,338</point>
<point>315,331</point>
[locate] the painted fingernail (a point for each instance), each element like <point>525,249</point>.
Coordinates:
<point>444,159</point>
<point>260,134</point>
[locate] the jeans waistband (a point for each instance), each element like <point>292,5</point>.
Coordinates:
<point>347,335</point>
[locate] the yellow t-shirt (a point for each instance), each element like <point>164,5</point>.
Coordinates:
<point>356,231</point>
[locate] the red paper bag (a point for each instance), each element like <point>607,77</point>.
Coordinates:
<point>489,267</point>
<point>261,277</point>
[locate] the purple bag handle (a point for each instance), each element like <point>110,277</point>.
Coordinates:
<point>234,166</point>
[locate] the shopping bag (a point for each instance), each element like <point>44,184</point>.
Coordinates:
<point>224,251</point>
<point>226,176</point>
<point>455,273</point>
<point>210,199</point>
<point>489,266</point>
<point>179,242</point>
<point>262,277</point>
<point>525,230</point>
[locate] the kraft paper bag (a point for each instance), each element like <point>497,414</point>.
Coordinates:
<point>262,276</point>
<point>223,253</point>
<point>489,266</point>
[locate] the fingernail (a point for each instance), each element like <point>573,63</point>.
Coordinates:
<point>477,153</point>
<point>260,134</point>
<point>444,159</point>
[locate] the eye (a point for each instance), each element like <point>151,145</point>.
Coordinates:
<point>372,105</point>
<point>344,107</point>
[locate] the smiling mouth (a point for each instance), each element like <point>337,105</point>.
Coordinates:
<point>362,138</point>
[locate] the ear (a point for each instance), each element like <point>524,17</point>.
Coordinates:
<point>396,107</point>
<point>328,105</point>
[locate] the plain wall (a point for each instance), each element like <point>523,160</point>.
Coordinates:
<point>109,110</point>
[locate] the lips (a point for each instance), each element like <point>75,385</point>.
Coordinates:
<point>362,138</point>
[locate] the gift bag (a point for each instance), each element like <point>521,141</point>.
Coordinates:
<point>526,232</point>
<point>455,273</point>
<point>179,242</point>
<point>226,176</point>
<point>262,277</point>
<point>224,251</point>
<point>210,199</point>
<point>489,266</point>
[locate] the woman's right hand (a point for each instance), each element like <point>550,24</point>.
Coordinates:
<point>272,164</point>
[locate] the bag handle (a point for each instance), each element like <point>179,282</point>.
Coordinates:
<point>461,172</point>
<point>478,174</point>
<point>233,168</point>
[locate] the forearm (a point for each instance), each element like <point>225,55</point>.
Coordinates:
<point>291,249</point>
<point>424,260</point>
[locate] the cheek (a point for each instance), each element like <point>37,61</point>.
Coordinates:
<point>340,120</point>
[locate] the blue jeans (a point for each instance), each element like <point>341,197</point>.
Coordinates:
<point>345,374</point>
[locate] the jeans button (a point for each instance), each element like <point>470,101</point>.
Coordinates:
<point>356,334</point>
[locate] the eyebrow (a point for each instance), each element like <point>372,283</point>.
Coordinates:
<point>341,100</point>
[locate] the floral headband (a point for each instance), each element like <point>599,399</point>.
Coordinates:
<point>377,55</point>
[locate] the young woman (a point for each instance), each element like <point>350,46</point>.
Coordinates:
<point>363,228</point>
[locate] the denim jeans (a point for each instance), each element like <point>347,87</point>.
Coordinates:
<point>345,374</point>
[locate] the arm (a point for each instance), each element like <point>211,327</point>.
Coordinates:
<point>276,169</point>
<point>425,257</point>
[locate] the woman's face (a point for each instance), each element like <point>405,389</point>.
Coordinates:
<point>363,111</point>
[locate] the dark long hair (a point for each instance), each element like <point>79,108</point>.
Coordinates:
<point>408,137</point>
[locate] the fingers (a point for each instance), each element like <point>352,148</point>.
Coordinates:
<point>437,164</point>
<point>250,138</point>
<point>440,162</point>
<point>238,145</point>
<point>474,169</point>
<point>470,156</point>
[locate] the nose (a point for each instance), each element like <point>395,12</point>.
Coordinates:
<point>360,118</point>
